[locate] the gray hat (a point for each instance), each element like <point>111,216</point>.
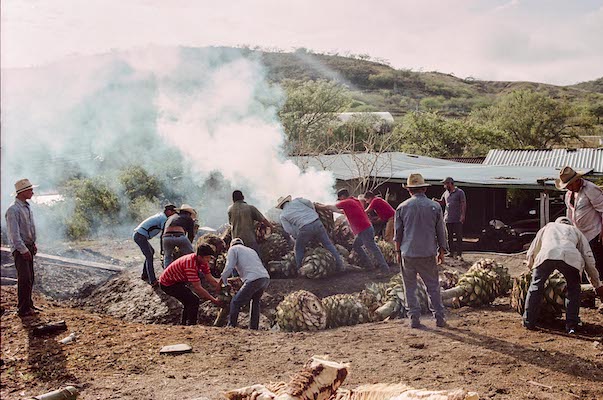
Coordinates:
<point>448,180</point>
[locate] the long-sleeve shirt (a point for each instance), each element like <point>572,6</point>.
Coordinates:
<point>557,241</point>
<point>296,214</point>
<point>419,227</point>
<point>21,229</point>
<point>585,210</point>
<point>185,222</point>
<point>247,263</point>
<point>152,226</point>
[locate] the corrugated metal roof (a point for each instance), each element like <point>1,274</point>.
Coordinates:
<point>488,175</point>
<point>352,166</point>
<point>467,160</point>
<point>580,159</point>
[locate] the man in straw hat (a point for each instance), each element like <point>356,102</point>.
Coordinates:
<point>301,221</point>
<point>21,232</point>
<point>361,227</point>
<point>179,231</point>
<point>420,236</point>
<point>148,229</point>
<point>584,201</point>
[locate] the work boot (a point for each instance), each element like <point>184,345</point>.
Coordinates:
<point>415,323</point>
<point>441,322</point>
<point>529,326</point>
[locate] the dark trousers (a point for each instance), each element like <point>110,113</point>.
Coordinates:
<point>25,281</point>
<point>148,271</point>
<point>189,301</point>
<point>455,237</point>
<point>597,248</point>
<point>534,297</point>
<point>251,291</point>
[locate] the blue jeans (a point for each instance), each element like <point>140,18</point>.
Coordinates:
<point>251,291</point>
<point>148,271</point>
<point>534,298</point>
<point>314,230</point>
<point>367,238</point>
<point>170,242</point>
<point>427,269</point>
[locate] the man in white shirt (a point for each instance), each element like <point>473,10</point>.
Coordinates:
<point>559,246</point>
<point>255,279</point>
<point>584,201</point>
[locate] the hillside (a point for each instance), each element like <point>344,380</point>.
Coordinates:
<point>379,87</point>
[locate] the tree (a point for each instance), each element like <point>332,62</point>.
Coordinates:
<point>531,119</point>
<point>311,107</point>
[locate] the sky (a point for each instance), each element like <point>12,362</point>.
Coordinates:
<point>551,41</point>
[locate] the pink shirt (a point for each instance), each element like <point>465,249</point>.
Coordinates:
<point>185,269</point>
<point>382,208</point>
<point>586,212</point>
<point>354,212</point>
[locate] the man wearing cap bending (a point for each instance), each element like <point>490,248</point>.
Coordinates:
<point>255,279</point>
<point>179,231</point>
<point>420,238</point>
<point>456,206</point>
<point>584,202</point>
<point>148,229</point>
<point>361,227</point>
<point>242,217</point>
<point>385,214</point>
<point>21,233</point>
<point>300,220</point>
<point>562,247</point>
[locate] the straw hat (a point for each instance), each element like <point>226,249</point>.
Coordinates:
<point>416,181</point>
<point>567,175</point>
<point>23,185</point>
<point>282,200</point>
<point>189,209</point>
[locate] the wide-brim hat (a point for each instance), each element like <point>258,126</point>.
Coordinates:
<point>189,209</point>
<point>567,175</point>
<point>416,181</point>
<point>22,185</point>
<point>282,200</point>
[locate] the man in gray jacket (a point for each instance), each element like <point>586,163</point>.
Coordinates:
<point>301,221</point>
<point>420,237</point>
<point>255,280</point>
<point>21,232</point>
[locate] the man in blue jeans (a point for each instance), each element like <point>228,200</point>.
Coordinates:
<point>301,221</point>
<point>560,246</point>
<point>420,237</point>
<point>148,229</point>
<point>255,280</point>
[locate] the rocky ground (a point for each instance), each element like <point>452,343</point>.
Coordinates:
<point>116,355</point>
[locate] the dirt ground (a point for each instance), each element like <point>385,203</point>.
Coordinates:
<point>484,350</point>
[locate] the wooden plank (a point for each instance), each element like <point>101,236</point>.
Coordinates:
<point>74,261</point>
<point>176,349</point>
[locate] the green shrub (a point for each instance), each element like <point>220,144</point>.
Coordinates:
<point>138,182</point>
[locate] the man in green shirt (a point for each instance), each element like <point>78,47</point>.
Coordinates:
<point>242,217</point>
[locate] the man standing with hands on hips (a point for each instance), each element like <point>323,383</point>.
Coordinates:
<point>421,244</point>
<point>22,237</point>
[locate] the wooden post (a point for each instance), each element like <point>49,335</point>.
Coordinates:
<point>544,208</point>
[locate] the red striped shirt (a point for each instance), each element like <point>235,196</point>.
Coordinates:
<point>185,269</point>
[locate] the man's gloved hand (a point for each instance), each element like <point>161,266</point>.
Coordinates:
<point>599,292</point>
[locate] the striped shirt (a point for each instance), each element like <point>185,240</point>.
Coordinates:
<point>151,226</point>
<point>185,269</point>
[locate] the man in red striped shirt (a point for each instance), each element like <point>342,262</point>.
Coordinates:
<point>185,270</point>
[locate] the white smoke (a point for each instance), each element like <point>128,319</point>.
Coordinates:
<point>203,120</point>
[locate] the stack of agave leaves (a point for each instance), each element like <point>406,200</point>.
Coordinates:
<point>553,296</point>
<point>480,285</point>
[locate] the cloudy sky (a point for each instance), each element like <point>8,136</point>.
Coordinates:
<point>554,41</point>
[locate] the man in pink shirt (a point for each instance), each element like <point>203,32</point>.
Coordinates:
<point>361,227</point>
<point>584,201</point>
<point>384,211</point>
<point>184,271</point>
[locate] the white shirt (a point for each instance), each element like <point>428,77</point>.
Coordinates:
<point>557,241</point>
<point>247,263</point>
<point>587,212</point>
